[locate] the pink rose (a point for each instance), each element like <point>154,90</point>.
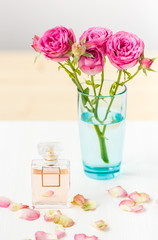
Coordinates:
<point>146,63</point>
<point>124,50</point>
<point>56,43</point>
<point>92,65</point>
<point>35,43</point>
<point>97,36</point>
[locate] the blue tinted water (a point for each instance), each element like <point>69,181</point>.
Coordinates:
<point>94,166</point>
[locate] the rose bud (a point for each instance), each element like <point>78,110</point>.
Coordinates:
<point>146,63</point>
<point>79,48</point>
<point>35,43</point>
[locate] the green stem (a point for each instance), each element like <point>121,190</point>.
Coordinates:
<point>93,86</point>
<point>103,150</point>
<point>73,69</point>
<point>67,70</point>
<point>131,77</point>
<point>112,99</point>
<point>97,99</point>
<point>102,80</point>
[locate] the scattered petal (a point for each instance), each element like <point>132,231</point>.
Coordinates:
<point>50,215</point>
<point>64,221</point>
<point>29,214</point>
<point>100,225</point>
<point>126,205</point>
<point>139,197</point>
<point>84,237</point>
<point>130,206</point>
<point>57,217</point>
<point>17,206</point>
<point>59,231</point>
<point>117,191</point>
<point>89,205</point>
<point>5,202</point>
<point>78,200</point>
<point>40,235</point>
<point>48,194</point>
<point>137,208</point>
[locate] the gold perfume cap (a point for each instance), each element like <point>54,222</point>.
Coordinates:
<point>49,150</point>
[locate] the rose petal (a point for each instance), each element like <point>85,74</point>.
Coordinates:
<point>89,205</point>
<point>59,231</point>
<point>84,237</point>
<point>50,215</point>
<point>126,205</point>
<point>117,191</point>
<point>40,235</point>
<point>137,208</point>
<point>17,206</point>
<point>57,217</point>
<point>139,197</point>
<point>4,202</point>
<point>64,221</point>
<point>48,194</point>
<point>100,225</point>
<point>130,206</point>
<point>78,200</point>
<point>29,214</point>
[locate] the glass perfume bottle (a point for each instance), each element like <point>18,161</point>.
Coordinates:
<point>50,178</point>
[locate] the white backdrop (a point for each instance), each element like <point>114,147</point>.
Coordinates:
<point>21,19</point>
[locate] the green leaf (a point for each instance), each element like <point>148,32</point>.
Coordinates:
<point>144,71</point>
<point>76,58</point>
<point>83,40</point>
<point>59,68</point>
<point>153,59</point>
<point>86,54</point>
<point>36,58</point>
<point>70,42</point>
<point>151,70</point>
<point>88,82</point>
<point>78,71</point>
<point>127,73</point>
<point>85,98</point>
<point>93,101</point>
<point>86,91</point>
<point>96,85</point>
<point>112,89</point>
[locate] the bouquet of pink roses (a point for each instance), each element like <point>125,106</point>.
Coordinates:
<point>123,49</point>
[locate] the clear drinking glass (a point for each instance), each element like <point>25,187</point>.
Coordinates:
<point>102,128</point>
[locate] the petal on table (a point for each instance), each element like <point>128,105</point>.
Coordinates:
<point>139,197</point>
<point>17,206</point>
<point>84,237</point>
<point>89,205</point>
<point>40,235</point>
<point>100,225</point>
<point>130,206</point>
<point>126,205</point>
<point>117,191</point>
<point>59,231</point>
<point>29,214</point>
<point>5,202</point>
<point>50,215</point>
<point>64,221</point>
<point>78,200</point>
<point>137,208</point>
<point>48,194</point>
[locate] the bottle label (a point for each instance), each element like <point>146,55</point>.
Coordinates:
<point>51,177</point>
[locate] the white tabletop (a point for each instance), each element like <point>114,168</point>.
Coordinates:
<point>139,172</point>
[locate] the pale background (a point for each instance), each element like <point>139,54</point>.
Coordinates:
<point>40,92</point>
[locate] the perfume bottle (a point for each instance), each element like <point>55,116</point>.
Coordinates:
<point>50,178</point>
